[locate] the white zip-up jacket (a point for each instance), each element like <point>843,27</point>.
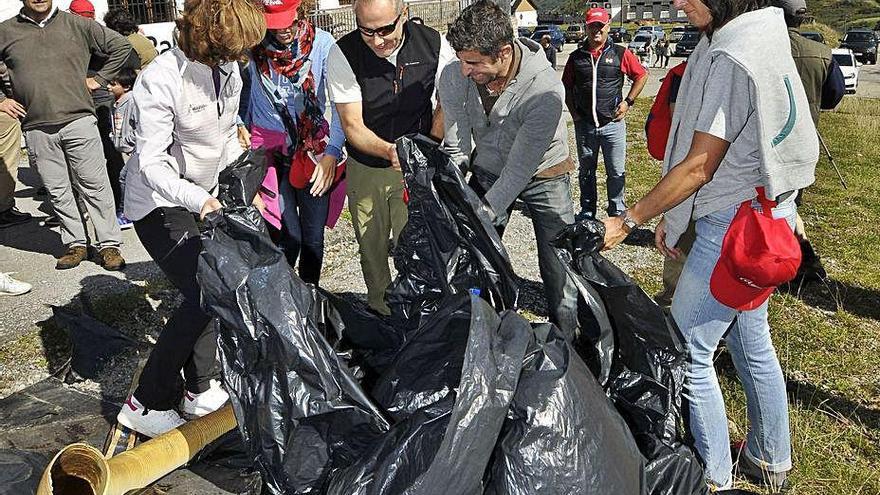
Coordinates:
<point>185,134</point>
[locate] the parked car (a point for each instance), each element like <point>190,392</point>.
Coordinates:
<point>620,35</point>
<point>656,31</point>
<point>687,43</point>
<point>849,66</point>
<point>524,32</point>
<point>575,33</point>
<point>863,44</point>
<point>676,34</point>
<point>813,35</point>
<point>557,39</point>
<point>642,43</point>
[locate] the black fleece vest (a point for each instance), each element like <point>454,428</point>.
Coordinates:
<point>396,100</point>
<point>609,82</point>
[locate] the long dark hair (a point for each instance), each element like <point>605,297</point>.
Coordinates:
<point>724,11</point>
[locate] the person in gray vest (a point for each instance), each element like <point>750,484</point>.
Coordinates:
<point>47,52</point>
<point>382,78</point>
<point>593,80</point>
<point>502,106</point>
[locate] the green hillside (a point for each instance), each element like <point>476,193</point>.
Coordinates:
<point>846,13</point>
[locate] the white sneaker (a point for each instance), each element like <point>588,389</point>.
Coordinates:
<point>198,405</point>
<point>11,287</point>
<point>149,422</point>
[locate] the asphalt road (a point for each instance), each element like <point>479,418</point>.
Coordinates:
<point>869,81</point>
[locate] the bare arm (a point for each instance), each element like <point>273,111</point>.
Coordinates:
<point>437,129</point>
<point>359,136</point>
<point>686,178</point>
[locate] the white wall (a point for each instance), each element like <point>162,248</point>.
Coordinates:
<point>526,19</point>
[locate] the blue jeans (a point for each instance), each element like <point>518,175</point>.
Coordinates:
<point>302,227</point>
<point>611,139</point>
<point>704,322</point>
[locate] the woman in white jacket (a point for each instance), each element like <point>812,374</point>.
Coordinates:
<point>187,100</point>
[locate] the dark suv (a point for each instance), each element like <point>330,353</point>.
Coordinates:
<point>620,35</point>
<point>687,43</point>
<point>863,44</point>
<point>557,38</point>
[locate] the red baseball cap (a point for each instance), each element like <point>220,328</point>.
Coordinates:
<point>758,254</point>
<point>82,8</point>
<point>597,14</point>
<point>280,14</point>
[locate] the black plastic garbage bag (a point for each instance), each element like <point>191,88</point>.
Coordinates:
<point>300,410</point>
<point>563,435</point>
<point>449,244</point>
<point>639,357</point>
<point>443,447</point>
<point>240,181</point>
<point>93,343</point>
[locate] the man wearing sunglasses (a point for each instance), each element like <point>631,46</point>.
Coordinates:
<point>382,78</point>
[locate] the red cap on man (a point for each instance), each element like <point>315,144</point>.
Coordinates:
<point>597,15</point>
<point>82,8</point>
<point>758,254</point>
<point>280,14</point>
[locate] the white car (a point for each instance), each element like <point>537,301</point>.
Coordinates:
<point>642,43</point>
<point>849,66</point>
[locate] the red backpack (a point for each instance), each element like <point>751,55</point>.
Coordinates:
<point>660,117</point>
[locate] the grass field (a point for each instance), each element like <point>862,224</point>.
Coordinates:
<point>827,336</point>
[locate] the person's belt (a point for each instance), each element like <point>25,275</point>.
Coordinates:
<point>561,168</point>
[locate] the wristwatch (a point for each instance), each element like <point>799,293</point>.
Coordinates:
<point>628,223</point>
<point>629,101</point>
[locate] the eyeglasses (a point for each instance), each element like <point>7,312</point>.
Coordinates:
<point>380,31</point>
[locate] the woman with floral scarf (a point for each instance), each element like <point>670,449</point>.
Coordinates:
<point>285,112</point>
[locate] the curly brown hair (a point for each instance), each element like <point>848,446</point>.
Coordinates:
<point>217,31</point>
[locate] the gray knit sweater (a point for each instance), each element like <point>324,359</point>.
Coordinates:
<point>47,65</point>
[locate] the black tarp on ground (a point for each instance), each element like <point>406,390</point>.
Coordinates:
<point>449,244</point>
<point>640,357</point>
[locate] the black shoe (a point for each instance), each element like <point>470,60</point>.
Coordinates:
<point>811,268</point>
<point>12,217</point>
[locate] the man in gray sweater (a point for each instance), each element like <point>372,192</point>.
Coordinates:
<point>47,52</point>
<point>503,116</point>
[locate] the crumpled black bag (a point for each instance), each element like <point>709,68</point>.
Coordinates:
<point>300,410</point>
<point>449,244</point>
<point>20,471</point>
<point>452,400</point>
<point>563,435</point>
<point>638,355</point>
<point>240,181</point>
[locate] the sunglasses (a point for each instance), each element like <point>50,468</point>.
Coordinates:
<point>380,31</point>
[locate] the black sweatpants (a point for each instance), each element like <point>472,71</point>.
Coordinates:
<point>171,237</point>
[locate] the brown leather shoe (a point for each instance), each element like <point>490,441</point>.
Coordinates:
<point>72,258</point>
<point>111,259</point>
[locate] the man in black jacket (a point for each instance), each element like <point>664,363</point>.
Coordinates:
<point>382,78</point>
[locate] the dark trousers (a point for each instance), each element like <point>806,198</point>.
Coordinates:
<point>104,113</point>
<point>550,205</point>
<point>171,237</point>
<point>302,227</point>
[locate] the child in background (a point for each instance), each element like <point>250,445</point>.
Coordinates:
<point>124,120</point>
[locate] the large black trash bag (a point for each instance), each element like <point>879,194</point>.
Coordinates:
<point>640,356</point>
<point>300,411</point>
<point>444,446</point>
<point>449,244</point>
<point>563,435</point>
